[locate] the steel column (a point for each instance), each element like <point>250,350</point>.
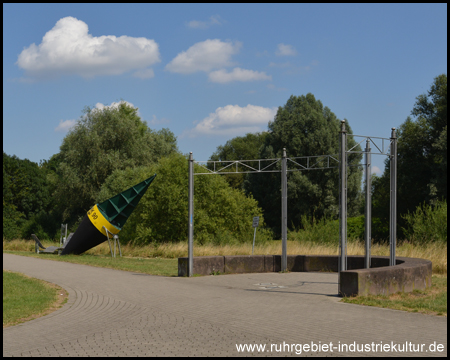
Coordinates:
<point>191,216</point>
<point>343,199</point>
<point>284,211</point>
<point>368,210</point>
<point>393,198</point>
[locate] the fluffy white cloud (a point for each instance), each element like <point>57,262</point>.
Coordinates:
<point>376,170</point>
<point>233,120</point>
<point>64,126</point>
<point>238,74</point>
<point>285,50</point>
<point>213,20</point>
<point>68,48</point>
<point>114,105</point>
<point>204,56</point>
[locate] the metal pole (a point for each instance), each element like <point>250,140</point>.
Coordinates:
<point>343,199</point>
<point>284,211</point>
<point>393,198</point>
<point>191,216</point>
<point>254,236</point>
<point>368,212</point>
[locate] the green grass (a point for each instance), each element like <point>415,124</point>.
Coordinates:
<point>25,298</point>
<point>154,266</point>
<point>430,301</point>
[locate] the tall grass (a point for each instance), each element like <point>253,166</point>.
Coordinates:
<point>436,252</point>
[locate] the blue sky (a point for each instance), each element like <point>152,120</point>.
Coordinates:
<point>210,72</point>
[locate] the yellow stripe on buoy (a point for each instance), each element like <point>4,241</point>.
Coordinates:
<point>98,220</point>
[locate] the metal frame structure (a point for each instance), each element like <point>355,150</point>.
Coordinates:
<point>309,163</point>
<point>116,239</point>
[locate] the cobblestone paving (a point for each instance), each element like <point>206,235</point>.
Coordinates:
<point>118,313</point>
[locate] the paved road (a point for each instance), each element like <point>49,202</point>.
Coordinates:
<point>119,313</point>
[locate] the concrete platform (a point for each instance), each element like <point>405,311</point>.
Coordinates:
<point>119,313</point>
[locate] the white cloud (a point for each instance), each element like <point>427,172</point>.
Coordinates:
<point>238,74</point>
<point>69,49</point>
<point>285,50</point>
<point>376,170</point>
<point>64,126</point>
<point>204,56</point>
<point>213,20</point>
<point>233,120</point>
<point>114,105</point>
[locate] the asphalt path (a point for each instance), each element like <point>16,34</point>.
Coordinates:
<point>119,313</point>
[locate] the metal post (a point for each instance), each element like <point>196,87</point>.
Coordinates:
<point>343,199</point>
<point>254,237</point>
<point>284,211</point>
<point>368,212</point>
<point>191,216</point>
<point>393,198</point>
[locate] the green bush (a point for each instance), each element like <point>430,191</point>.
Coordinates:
<point>428,223</point>
<point>324,231</point>
<point>221,214</point>
<point>356,227</point>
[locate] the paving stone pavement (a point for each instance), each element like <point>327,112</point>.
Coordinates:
<point>119,313</point>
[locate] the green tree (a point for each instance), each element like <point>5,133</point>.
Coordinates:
<point>26,199</point>
<point>101,142</point>
<point>305,128</point>
<point>239,148</point>
<point>221,214</point>
<point>422,157</point>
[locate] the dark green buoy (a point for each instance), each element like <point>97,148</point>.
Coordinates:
<point>112,214</point>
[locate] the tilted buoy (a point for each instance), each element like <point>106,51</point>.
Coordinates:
<point>111,214</point>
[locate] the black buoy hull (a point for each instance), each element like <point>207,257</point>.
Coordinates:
<point>89,234</point>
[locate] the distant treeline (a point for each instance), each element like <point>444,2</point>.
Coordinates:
<point>110,149</point>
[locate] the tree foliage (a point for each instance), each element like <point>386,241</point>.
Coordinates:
<point>239,148</point>
<point>101,142</point>
<point>26,196</point>
<point>422,157</point>
<point>220,212</point>
<point>305,128</point>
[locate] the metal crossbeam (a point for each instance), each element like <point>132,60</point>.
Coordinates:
<point>385,150</point>
<point>316,162</point>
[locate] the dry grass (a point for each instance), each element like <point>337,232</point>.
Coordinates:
<point>436,252</point>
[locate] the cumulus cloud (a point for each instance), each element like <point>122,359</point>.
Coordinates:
<point>285,50</point>
<point>64,126</point>
<point>69,49</point>
<point>213,20</point>
<point>114,105</point>
<point>233,120</point>
<point>238,74</point>
<point>204,56</point>
<point>376,170</point>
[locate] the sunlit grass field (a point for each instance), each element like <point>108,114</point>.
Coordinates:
<point>436,252</point>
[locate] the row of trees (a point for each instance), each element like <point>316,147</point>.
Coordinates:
<point>111,149</point>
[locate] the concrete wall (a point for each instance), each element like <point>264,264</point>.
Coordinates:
<point>381,279</point>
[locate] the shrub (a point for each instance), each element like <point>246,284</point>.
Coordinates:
<point>427,224</point>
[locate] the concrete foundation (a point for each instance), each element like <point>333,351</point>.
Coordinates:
<point>381,279</point>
